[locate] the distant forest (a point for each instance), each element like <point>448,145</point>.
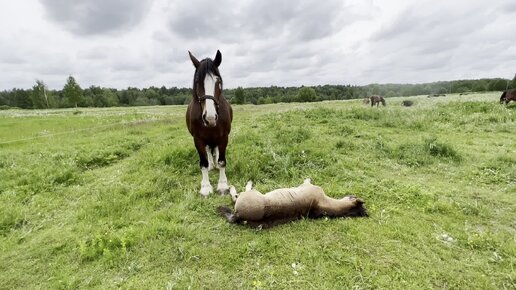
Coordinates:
<point>72,95</point>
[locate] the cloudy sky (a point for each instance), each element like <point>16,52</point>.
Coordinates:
<point>141,43</point>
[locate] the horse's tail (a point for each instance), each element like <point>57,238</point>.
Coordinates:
<point>502,98</point>
<point>228,214</point>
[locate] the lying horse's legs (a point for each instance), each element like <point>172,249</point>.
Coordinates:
<point>206,187</point>
<point>249,185</point>
<point>220,154</point>
<point>233,193</point>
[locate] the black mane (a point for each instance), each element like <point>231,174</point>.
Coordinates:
<point>205,67</point>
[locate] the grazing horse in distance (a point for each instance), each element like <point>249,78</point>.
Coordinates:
<point>507,96</point>
<point>366,101</point>
<point>208,119</point>
<point>376,99</point>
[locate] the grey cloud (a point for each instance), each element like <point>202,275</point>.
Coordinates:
<point>95,53</point>
<point>509,7</point>
<point>239,21</point>
<point>90,17</point>
<point>427,37</point>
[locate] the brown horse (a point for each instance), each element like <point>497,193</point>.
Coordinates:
<point>375,100</point>
<point>507,96</point>
<point>208,119</point>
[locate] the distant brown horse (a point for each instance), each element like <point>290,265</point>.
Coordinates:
<point>208,119</point>
<point>376,99</point>
<point>507,96</point>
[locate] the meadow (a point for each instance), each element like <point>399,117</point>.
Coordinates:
<point>108,198</point>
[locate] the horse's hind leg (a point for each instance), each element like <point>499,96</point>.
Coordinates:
<point>209,156</point>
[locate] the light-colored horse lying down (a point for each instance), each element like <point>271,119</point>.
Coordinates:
<point>283,205</point>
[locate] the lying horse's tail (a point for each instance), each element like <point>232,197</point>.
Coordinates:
<point>502,98</point>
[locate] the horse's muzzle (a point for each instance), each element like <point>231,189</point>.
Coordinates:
<point>210,121</point>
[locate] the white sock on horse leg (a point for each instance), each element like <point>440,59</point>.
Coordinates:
<point>223,186</point>
<point>206,187</point>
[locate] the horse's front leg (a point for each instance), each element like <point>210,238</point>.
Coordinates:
<point>220,156</point>
<point>206,187</point>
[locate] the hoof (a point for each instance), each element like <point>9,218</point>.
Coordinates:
<point>206,190</point>
<point>223,188</point>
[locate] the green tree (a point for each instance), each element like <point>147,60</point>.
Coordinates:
<point>110,97</point>
<point>21,99</point>
<point>72,91</point>
<point>479,86</point>
<point>306,94</point>
<point>239,96</point>
<point>39,95</point>
<point>497,85</point>
<point>513,83</point>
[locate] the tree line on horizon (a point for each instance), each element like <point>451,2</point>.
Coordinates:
<point>72,95</point>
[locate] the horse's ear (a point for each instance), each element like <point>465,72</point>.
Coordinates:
<point>218,59</point>
<point>194,60</point>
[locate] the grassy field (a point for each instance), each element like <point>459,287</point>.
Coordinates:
<point>108,198</point>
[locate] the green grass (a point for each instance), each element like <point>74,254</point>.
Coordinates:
<point>108,198</point>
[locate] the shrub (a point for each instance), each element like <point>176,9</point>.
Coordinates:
<point>407,103</point>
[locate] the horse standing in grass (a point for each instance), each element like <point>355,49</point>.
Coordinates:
<point>507,96</point>
<point>375,100</point>
<point>208,119</point>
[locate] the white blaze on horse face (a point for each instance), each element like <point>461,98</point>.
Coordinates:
<point>210,112</point>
